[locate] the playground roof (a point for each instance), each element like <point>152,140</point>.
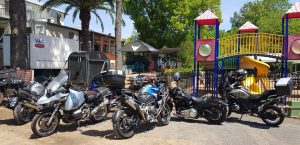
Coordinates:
<point>293,12</point>
<point>207,18</point>
<point>248,27</point>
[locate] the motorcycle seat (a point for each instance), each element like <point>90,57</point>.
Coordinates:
<point>90,95</point>
<point>102,90</point>
<point>264,95</point>
<point>199,99</point>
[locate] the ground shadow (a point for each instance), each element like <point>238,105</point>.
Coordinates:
<point>250,123</point>
<point>178,119</point>
<point>10,122</point>
<point>109,134</point>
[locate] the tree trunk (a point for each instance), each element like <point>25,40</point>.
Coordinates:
<point>19,49</point>
<point>118,34</point>
<point>85,17</point>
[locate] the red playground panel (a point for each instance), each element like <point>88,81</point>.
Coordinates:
<point>294,47</point>
<point>205,50</point>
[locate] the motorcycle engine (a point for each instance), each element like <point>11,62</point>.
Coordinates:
<point>150,110</point>
<point>82,112</point>
<point>189,113</point>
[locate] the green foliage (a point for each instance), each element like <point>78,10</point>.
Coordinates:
<point>266,14</point>
<point>167,22</point>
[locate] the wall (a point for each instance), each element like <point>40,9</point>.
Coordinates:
<point>60,32</point>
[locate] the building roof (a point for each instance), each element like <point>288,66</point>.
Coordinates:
<point>293,12</point>
<point>248,27</point>
<point>39,3</point>
<point>207,18</point>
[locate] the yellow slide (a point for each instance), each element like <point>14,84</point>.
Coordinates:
<point>251,83</point>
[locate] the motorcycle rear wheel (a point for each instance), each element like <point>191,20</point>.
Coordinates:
<point>218,116</point>
<point>100,115</point>
<point>272,115</point>
<point>121,126</point>
<point>22,114</point>
<point>39,124</point>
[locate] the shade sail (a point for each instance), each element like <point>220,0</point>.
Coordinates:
<point>248,27</point>
<point>207,18</point>
<point>138,46</point>
<point>293,12</point>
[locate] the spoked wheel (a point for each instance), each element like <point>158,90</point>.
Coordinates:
<point>23,114</point>
<point>40,127</point>
<point>217,115</point>
<point>100,115</point>
<point>272,115</point>
<point>1,98</point>
<point>123,124</point>
<point>164,116</point>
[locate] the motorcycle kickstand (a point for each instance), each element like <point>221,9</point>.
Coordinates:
<point>241,117</point>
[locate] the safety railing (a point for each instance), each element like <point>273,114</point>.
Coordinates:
<point>264,44</point>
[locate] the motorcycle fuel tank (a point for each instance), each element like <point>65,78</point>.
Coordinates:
<point>74,100</point>
<point>240,93</point>
<point>36,89</point>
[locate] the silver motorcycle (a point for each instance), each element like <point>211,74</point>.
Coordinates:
<point>62,100</point>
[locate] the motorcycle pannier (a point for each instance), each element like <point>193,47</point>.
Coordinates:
<point>284,86</point>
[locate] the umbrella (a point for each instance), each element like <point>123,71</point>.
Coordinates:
<point>138,46</point>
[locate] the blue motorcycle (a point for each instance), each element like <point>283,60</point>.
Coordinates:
<point>149,105</point>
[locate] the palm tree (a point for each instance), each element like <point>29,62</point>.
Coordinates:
<point>17,14</point>
<point>118,34</point>
<point>85,8</point>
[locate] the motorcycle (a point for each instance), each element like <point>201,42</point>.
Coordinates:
<point>139,82</point>
<point>24,103</point>
<point>62,100</point>
<point>187,106</point>
<point>9,85</point>
<point>148,106</point>
<point>241,101</point>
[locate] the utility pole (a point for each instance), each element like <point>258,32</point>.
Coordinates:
<point>118,35</point>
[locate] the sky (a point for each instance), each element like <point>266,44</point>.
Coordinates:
<point>228,7</point>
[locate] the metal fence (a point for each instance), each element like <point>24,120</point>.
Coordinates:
<point>256,84</point>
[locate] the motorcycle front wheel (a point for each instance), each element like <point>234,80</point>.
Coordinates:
<point>39,124</point>
<point>123,124</point>
<point>1,98</point>
<point>217,114</point>
<point>272,115</point>
<point>164,116</point>
<point>23,114</point>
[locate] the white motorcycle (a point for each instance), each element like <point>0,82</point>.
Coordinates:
<point>63,101</point>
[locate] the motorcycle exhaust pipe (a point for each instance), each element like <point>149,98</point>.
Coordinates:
<point>30,105</point>
<point>96,109</point>
<point>135,106</point>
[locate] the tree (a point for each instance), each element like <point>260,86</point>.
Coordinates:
<point>118,33</point>
<point>166,22</point>
<point>85,8</point>
<point>266,14</point>
<point>19,49</point>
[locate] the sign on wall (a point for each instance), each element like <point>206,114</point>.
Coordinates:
<point>39,42</point>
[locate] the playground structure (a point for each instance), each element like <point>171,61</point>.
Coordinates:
<point>243,50</point>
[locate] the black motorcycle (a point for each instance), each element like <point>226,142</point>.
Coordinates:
<point>187,106</point>
<point>149,106</point>
<point>9,85</point>
<point>24,103</point>
<point>241,101</point>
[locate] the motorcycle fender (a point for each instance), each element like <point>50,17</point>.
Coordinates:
<point>49,109</point>
<point>116,116</point>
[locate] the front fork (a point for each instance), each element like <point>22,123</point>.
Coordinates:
<point>53,114</point>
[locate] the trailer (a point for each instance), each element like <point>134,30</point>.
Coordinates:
<point>46,53</point>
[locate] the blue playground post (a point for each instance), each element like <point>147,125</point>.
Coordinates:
<point>286,45</point>
<point>194,71</point>
<point>282,50</point>
<point>215,82</point>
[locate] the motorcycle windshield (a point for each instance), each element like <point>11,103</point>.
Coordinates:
<point>58,81</point>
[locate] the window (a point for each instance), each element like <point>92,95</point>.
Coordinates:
<point>106,46</point>
<point>1,34</point>
<point>6,5</point>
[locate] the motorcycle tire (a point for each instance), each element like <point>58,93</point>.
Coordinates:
<point>41,119</point>
<point>217,118</point>
<point>22,115</point>
<point>1,98</point>
<point>101,116</point>
<point>121,131</point>
<point>165,116</point>
<point>270,120</point>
